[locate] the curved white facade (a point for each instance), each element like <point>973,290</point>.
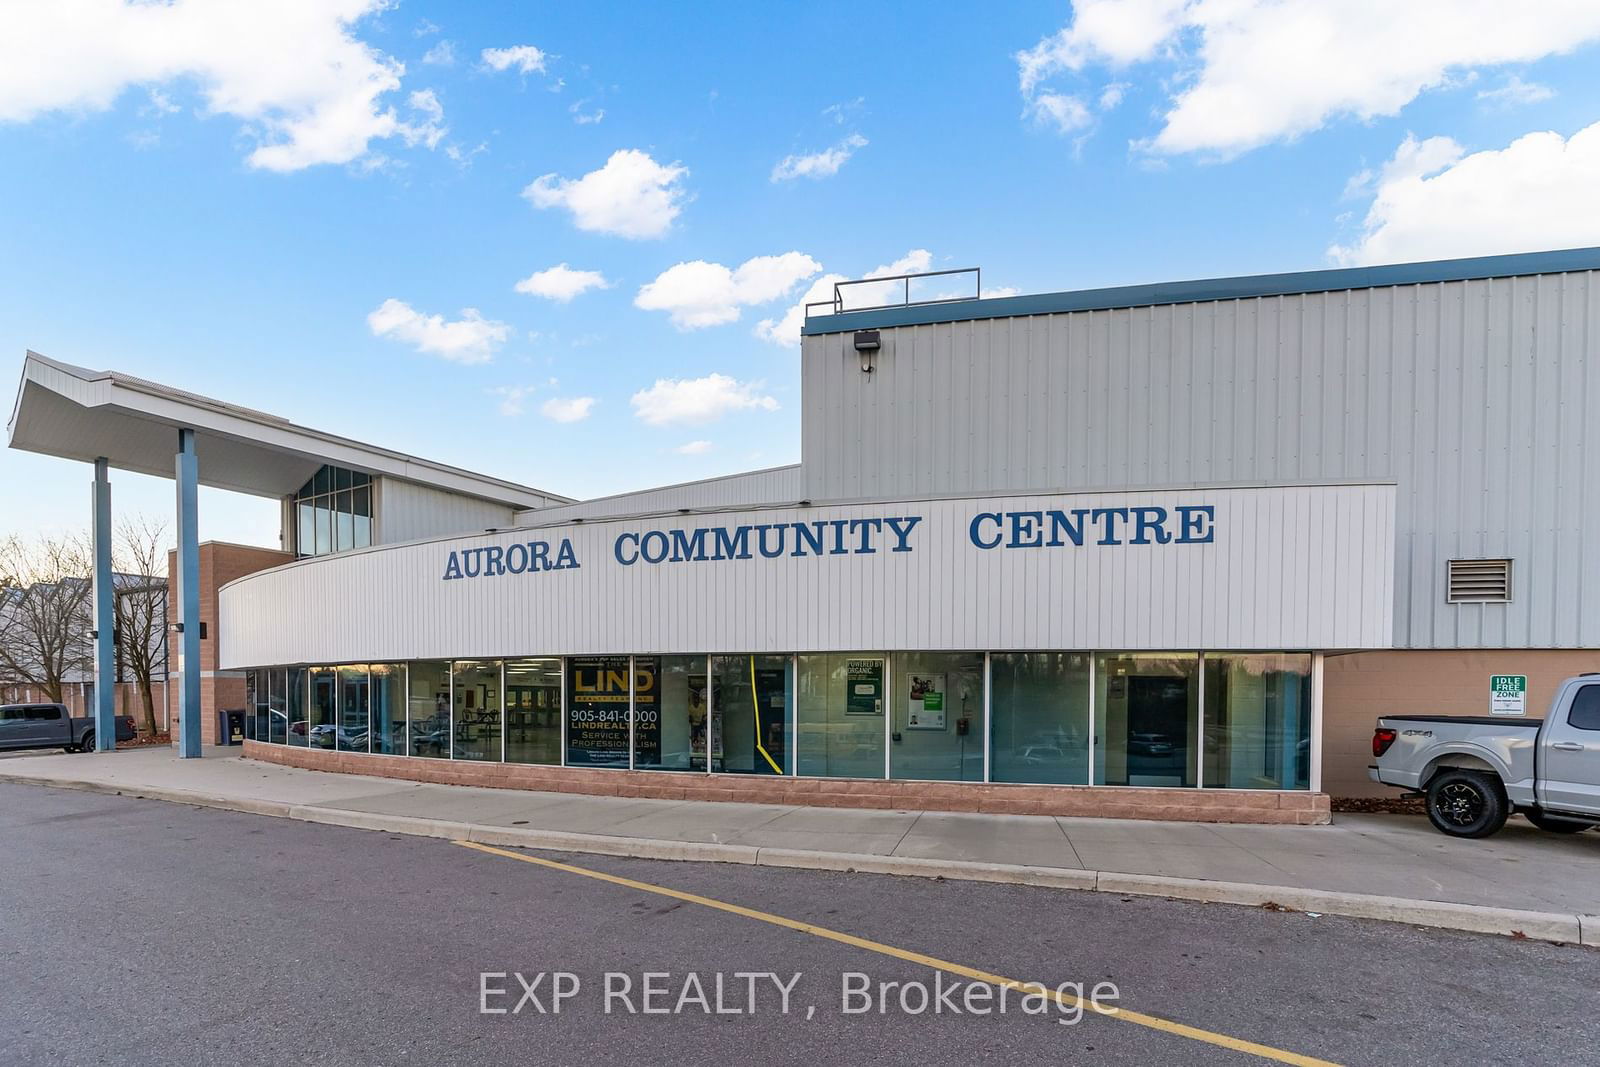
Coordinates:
<point>1290,567</point>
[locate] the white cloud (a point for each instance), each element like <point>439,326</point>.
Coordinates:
<point>1065,113</point>
<point>442,54</point>
<point>431,128</point>
<point>561,283</point>
<point>294,71</point>
<point>585,118</point>
<point>698,294</point>
<point>1433,201</point>
<point>469,339</point>
<point>698,400</point>
<point>1112,95</point>
<point>822,164</point>
<point>786,330</point>
<point>1251,72</point>
<point>513,398</point>
<point>631,196</point>
<point>524,57</point>
<point>567,408</point>
<point>693,448</point>
<point>1515,93</point>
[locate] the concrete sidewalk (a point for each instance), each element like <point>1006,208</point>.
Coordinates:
<point>1368,866</point>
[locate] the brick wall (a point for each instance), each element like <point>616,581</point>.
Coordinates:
<point>1184,805</point>
<point>1359,687</point>
<point>220,563</point>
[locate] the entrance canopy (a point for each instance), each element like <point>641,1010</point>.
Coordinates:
<point>74,413</point>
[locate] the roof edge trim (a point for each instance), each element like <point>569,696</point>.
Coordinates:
<point>1204,290</point>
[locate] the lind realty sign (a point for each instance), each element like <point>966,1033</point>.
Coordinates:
<point>988,530</point>
<point>1508,694</point>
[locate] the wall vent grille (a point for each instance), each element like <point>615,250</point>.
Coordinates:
<point>1479,581</point>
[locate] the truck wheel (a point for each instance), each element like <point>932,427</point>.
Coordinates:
<point>1554,826</point>
<point>87,744</point>
<point>1466,803</point>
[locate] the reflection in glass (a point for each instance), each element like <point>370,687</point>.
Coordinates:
<point>669,704</point>
<point>277,710</point>
<point>597,711</point>
<point>255,703</point>
<point>751,721</point>
<point>388,706</point>
<point>294,712</point>
<point>477,710</point>
<point>1258,721</point>
<point>352,734</point>
<point>840,715</point>
<point>938,716</point>
<point>533,710</point>
<point>428,700</point>
<point>324,707</point>
<point>1040,705</point>
<point>1146,718</point>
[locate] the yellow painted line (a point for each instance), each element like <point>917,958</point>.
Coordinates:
<point>1154,1022</point>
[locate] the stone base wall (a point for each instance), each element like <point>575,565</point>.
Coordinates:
<point>1111,802</point>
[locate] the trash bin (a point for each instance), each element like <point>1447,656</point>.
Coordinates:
<point>230,726</point>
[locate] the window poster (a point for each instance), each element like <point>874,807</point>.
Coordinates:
<point>597,710</point>
<point>863,687</point>
<point>926,695</point>
<point>699,725</point>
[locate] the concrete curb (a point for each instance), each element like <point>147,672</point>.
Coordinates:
<point>1473,918</point>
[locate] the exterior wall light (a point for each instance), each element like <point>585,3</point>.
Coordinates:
<point>866,347</point>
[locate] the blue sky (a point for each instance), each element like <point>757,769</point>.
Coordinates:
<point>271,203</point>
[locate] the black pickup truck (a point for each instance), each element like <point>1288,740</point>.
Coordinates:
<point>51,726</point>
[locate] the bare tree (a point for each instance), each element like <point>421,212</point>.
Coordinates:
<point>141,608</point>
<point>45,614</point>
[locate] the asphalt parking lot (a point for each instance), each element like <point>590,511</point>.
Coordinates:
<point>137,931</point>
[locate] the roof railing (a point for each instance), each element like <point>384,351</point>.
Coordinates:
<point>902,282</point>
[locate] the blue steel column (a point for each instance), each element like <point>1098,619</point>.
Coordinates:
<point>105,619</point>
<point>188,476</point>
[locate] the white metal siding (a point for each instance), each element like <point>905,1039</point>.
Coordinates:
<point>409,512</point>
<point>1297,567</point>
<point>1478,398</point>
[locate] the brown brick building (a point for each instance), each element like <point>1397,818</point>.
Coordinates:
<point>220,563</point>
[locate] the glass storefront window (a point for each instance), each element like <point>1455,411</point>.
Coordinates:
<point>1258,721</point>
<point>299,730</point>
<point>353,732</point>
<point>669,704</point>
<point>597,711</point>
<point>388,708</point>
<point>476,700</point>
<point>255,702</point>
<point>751,719</point>
<point>1039,702</point>
<point>1056,718</point>
<point>533,710</point>
<point>1147,720</point>
<point>277,707</point>
<point>324,707</point>
<point>840,706</point>
<point>428,706</point>
<point>937,732</point>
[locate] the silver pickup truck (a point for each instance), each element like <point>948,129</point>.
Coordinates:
<point>1476,771</point>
